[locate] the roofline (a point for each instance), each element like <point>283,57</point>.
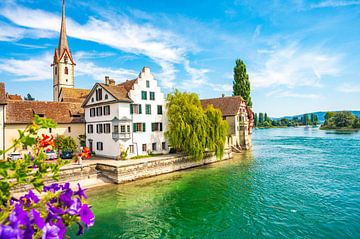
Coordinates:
<point>235,96</point>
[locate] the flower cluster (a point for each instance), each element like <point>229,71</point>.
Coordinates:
<point>62,205</point>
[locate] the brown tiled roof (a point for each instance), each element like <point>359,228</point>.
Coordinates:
<point>74,94</point>
<point>22,112</point>
<point>120,92</point>
<point>128,84</point>
<point>229,106</point>
<point>2,94</point>
<point>13,97</point>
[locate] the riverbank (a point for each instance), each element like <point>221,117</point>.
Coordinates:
<point>100,171</point>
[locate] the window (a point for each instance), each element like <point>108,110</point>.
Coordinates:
<point>139,127</point>
<point>90,129</point>
<point>92,112</point>
<point>156,127</point>
<point>92,99</point>
<point>143,95</point>
<point>153,146</point>
<point>99,94</point>
<point>131,149</point>
<point>66,71</point>
<point>99,146</point>
<point>148,109</point>
<point>144,147</point>
<point>159,110</point>
<point>107,110</point>
<point>50,130</point>
<point>135,109</point>
<point>106,97</point>
<point>69,129</point>
<point>122,128</point>
<point>128,128</point>
<point>66,59</point>
<point>99,111</point>
<point>147,84</point>
<point>116,129</point>
<point>99,128</point>
<point>163,146</point>
<point>107,128</point>
<point>152,95</point>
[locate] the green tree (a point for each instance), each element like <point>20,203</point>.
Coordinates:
<point>241,83</point>
<point>356,123</point>
<point>29,97</point>
<point>343,119</point>
<point>256,120</point>
<point>305,119</point>
<point>191,129</point>
<point>266,117</point>
<point>65,143</point>
<point>261,118</point>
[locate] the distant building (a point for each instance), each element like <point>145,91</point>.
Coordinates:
<point>239,117</point>
<point>128,115</point>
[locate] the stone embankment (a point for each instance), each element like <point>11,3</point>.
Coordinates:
<point>96,172</point>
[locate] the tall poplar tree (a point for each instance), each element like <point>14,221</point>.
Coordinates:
<point>256,120</point>
<point>241,83</point>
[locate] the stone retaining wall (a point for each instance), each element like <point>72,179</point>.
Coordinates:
<point>154,167</point>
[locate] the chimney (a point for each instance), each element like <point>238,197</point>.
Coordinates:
<point>109,81</point>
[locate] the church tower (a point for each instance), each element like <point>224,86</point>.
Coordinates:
<point>63,64</point>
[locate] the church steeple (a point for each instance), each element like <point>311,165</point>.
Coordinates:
<point>63,64</point>
<point>63,42</point>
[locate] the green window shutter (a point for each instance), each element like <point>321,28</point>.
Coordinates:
<point>140,110</point>
<point>134,127</point>
<point>159,108</point>
<point>152,127</point>
<point>152,95</point>
<point>131,108</point>
<point>148,109</point>
<point>161,129</point>
<point>143,95</point>
<point>144,129</point>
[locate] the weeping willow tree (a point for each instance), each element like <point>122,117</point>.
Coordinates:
<point>191,129</point>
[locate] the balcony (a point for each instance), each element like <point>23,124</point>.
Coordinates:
<point>121,136</point>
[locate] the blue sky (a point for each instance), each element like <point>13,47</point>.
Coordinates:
<point>301,56</point>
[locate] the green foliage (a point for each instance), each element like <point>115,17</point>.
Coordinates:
<point>191,129</point>
<point>31,169</point>
<point>256,121</point>
<point>340,120</point>
<point>261,118</point>
<point>65,143</point>
<point>124,154</point>
<point>241,83</point>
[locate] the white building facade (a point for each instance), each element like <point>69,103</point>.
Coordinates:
<point>129,116</point>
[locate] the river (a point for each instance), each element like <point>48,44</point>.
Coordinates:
<point>295,183</point>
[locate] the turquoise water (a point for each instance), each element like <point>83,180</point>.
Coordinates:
<point>296,183</point>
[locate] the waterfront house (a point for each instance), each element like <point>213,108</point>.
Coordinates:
<point>130,115</point>
<point>239,117</point>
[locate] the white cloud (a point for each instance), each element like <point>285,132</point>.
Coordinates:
<point>334,3</point>
<point>293,66</point>
<point>290,94</point>
<point>38,69</point>
<point>349,88</point>
<point>257,32</point>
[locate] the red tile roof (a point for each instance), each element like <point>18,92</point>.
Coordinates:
<point>22,112</point>
<point>13,97</point>
<point>74,94</point>
<point>229,106</point>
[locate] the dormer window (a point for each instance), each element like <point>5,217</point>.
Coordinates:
<point>66,70</point>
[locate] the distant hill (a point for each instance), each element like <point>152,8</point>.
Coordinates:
<point>320,115</point>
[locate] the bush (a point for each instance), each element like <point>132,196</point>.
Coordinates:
<point>65,143</point>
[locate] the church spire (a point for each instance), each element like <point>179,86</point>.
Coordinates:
<point>63,42</point>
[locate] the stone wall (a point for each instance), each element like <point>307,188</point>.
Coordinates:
<point>153,167</point>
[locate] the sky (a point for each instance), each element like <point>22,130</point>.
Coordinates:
<point>301,56</point>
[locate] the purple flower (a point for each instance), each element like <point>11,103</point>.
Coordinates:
<point>75,207</point>
<point>28,198</point>
<point>62,228</point>
<point>52,188</point>
<point>86,216</point>
<point>81,230</point>
<point>7,232</point>
<point>80,192</point>
<point>37,220</point>
<point>50,231</point>
<point>65,197</point>
<point>65,186</point>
